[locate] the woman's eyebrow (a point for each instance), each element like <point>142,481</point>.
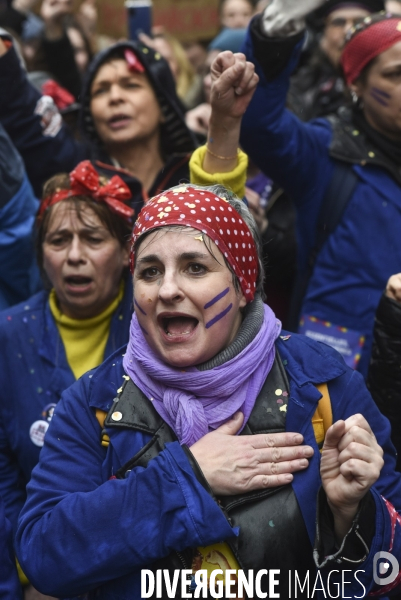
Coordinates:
<point>85,229</point>
<point>60,231</point>
<point>193,255</point>
<point>151,258</point>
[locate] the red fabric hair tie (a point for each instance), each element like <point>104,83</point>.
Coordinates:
<point>84,181</point>
<point>213,216</point>
<point>368,43</point>
<point>133,62</point>
<point>62,97</point>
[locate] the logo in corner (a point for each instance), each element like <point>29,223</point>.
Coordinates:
<point>385,568</point>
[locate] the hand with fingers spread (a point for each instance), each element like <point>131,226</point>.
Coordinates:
<point>351,463</point>
<point>233,84</point>
<point>236,464</point>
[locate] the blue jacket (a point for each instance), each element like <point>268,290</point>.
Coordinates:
<point>10,588</point>
<point>95,531</point>
<point>356,261</point>
<point>34,372</point>
<point>18,206</point>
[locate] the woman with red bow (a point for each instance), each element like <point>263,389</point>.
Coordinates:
<point>47,343</point>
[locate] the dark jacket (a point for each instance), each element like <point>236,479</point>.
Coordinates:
<point>48,146</point>
<point>353,266</point>
<point>384,377</point>
<point>18,272</point>
<point>111,533</point>
<point>317,89</point>
<point>34,372</point>
<point>59,62</point>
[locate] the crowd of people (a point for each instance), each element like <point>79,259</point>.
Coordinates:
<point>200,301</point>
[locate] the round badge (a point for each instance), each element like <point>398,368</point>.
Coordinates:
<point>37,432</point>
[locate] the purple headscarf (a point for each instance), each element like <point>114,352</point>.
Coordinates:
<point>194,402</point>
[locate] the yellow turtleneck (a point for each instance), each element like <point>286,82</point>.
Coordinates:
<point>84,339</point>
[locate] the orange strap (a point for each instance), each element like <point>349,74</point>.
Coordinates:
<point>101,417</point>
<point>323,417</point>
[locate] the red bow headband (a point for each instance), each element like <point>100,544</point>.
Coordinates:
<point>84,181</point>
<point>368,41</point>
<point>215,217</point>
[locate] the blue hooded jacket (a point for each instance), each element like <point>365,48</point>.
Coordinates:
<point>357,259</point>
<point>96,532</point>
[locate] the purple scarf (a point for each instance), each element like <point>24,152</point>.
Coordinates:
<point>194,402</point>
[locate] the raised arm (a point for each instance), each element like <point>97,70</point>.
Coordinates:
<point>57,47</point>
<point>18,207</point>
<point>292,153</point>
<point>34,124</point>
<point>220,160</point>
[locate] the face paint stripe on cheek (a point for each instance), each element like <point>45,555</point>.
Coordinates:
<point>380,92</point>
<point>219,316</point>
<point>141,309</point>
<point>217,298</point>
<point>378,99</point>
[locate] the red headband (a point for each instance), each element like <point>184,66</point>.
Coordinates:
<point>215,217</point>
<point>365,45</point>
<point>84,181</point>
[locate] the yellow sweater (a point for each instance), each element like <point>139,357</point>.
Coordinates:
<point>84,339</point>
<point>234,180</point>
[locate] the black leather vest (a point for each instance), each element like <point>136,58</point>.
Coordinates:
<point>272,530</point>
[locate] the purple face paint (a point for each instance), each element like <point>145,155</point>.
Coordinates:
<point>141,309</point>
<point>217,298</point>
<point>219,316</point>
<point>380,92</point>
<point>378,98</point>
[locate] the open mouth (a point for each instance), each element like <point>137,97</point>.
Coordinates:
<point>178,326</point>
<point>78,280</point>
<point>118,120</point>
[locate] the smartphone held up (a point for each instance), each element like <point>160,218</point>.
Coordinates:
<point>139,17</point>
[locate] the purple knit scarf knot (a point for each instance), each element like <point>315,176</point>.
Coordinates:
<point>194,402</point>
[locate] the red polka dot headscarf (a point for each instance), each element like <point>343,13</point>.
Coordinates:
<point>212,215</point>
